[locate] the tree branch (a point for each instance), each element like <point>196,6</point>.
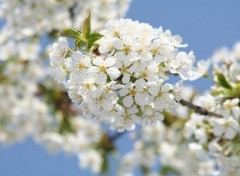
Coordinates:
<point>199,109</point>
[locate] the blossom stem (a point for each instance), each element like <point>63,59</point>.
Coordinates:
<point>199,109</point>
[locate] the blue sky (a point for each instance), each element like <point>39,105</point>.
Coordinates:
<point>205,25</point>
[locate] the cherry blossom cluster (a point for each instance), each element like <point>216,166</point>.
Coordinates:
<point>214,136</point>
<point>22,114</point>
<point>28,99</point>
<point>163,147</point>
<point>36,17</point>
<point>83,143</point>
<point>124,81</point>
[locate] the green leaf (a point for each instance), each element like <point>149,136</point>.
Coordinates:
<point>93,38</point>
<point>87,27</point>
<point>70,33</point>
<point>222,81</point>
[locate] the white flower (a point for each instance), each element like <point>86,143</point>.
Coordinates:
<point>151,120</point>
<point>202,69</point>
<point>226,127</point>
<point>182,64</point>
<point>102,68</point>
<point>58,74</point>
<point>231,107</point>
<point>207,101</point>
<point>79,61</point>
<point>127,49</point>
<point>148,71</point>
<point>87,88</point>
<point>196,121</point>
<point>123,121</point>
<point>91,159</point>
<point>58,52</point>
<point>127,68</point>
<point>53,141</point>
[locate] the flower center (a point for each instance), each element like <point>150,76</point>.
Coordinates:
<point>132,92</point>
<point>160,69</point>
<point>127,50</point>
<point>87,86</point>
<point>154,51</point>
<point>124,69</point>
<point>229,105</point>
<point>103,68</point>
<point>127,117</point>
<point>160,94</point>
<point>144,74</point>
<point>116,33</point>
<point>81,66</point>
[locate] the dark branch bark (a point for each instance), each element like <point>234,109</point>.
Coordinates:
<point>199,109</point>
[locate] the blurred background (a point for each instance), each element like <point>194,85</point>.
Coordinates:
<point>204,25</point>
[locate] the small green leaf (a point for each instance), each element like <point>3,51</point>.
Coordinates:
<point>222,81</point>
<point>70,33</point>
<point>93,38</point>
<point>87,27</point>
<point>73,34</point>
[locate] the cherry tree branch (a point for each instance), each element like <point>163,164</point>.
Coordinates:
<point>199,109</point>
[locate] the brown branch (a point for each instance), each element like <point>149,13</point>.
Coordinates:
<point>199,109</point>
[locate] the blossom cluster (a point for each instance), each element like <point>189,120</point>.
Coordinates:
<point>214,136</point>
<point>25,112</point>
<point>124,81</point>
<point>31,105</point>
<point>22,114</point>
<point>27,18</point>
<point>83,143</point>
<point>163,147</point>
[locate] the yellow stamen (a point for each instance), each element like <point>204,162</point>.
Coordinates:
<point>87,85</point>
<point>116,33</point>
<point>127,50</point>
<point>144,74</point>
<point>154,51</point>
<point>124,69</point>
<point>132,92</point>
<point>103,68</point>
<point>81,66</point>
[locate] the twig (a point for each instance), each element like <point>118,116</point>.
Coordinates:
<point>199,109</point>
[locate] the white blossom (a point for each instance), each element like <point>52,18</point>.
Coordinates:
<point>126,83</point>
